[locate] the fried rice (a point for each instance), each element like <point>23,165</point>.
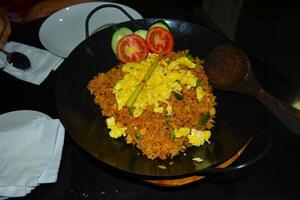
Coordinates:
<point>152,131</point>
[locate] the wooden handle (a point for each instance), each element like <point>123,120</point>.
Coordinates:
<point>286,113</point>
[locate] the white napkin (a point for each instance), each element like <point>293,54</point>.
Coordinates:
<point>30,155</point>
<point>42,62</point>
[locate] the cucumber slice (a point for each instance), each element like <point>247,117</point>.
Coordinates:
<point>141,33</point>
<point>118,34</point>
<point>161,24</point>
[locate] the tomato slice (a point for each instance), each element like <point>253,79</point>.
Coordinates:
<point>132,48</point>
<point>159,40</point>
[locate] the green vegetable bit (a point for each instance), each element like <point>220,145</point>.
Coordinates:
<point>204,119</point>
<point>168,119</point>
<point>138,135</point>
<point>131,110</point>
<point>178,96</point>
<point>189,56</point>
<point>172,136</point>
<point>198,83</point>
<point>170,128</point>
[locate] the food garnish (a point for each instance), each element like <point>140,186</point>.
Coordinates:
<point>142,33</point>
<point>132,46</point>
<point>204,119</point>
<point>159,40</point>
<point>160,23</point>
<point>118,34</point>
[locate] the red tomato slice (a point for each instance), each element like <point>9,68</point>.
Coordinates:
<point>159,40</point>
<point>132,48</point>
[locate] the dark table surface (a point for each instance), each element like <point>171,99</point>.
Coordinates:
<point>80,176</point>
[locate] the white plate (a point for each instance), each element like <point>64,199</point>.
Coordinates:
<point>19,118</point>
<point>65,29</point>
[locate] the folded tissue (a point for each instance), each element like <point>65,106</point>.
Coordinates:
<point>30,155</point>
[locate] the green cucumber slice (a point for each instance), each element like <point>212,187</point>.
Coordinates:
<point>118,34</point>
<point>161,24</point>
<point>141,33</point>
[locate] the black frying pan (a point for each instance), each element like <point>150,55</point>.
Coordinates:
<point>237,115</point>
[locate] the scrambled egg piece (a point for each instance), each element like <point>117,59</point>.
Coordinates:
<point>183,60</point>
<point>115,131</point>
<point>183,131</point>
<point>200,93</point>
<point>197,138</point>
<point>212,111</point>
<point>165,79</point>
